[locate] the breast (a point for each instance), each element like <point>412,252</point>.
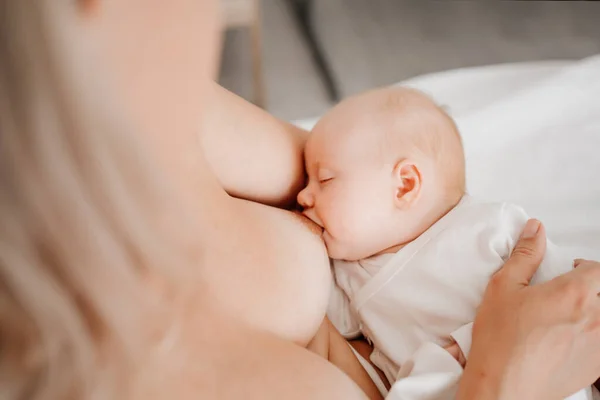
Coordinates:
<point>271,270</point>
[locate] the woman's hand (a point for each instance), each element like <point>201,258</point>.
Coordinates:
<point>535,342</point>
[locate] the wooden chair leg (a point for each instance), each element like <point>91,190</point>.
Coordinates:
<point>257,65</point>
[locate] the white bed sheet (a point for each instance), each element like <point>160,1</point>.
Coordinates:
<point>532,137</point>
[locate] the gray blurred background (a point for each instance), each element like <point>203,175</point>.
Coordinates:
<point>298,57</point>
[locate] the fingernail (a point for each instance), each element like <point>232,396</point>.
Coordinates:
<point>531,229</point>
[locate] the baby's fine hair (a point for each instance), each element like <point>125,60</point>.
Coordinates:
<point>420,121</point>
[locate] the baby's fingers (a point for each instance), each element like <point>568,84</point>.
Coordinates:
<point>455,351</point>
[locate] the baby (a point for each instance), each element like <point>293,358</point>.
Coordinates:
<point>412,253</point>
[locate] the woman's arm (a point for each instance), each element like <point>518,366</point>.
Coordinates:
<point>534,342</point>
<point>254,155</point>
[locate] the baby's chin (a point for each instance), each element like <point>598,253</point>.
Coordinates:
<point>341,251</point>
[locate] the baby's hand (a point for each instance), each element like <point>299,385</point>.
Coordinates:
<point>455,351</point>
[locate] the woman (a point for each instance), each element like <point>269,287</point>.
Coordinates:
<point>127,269</point>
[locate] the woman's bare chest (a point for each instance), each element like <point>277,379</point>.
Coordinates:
<point>272,271</point>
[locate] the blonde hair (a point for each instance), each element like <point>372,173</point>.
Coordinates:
<point>431,131</point>
<point>82,217</point>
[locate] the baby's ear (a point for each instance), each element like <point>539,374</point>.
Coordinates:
<point>407,183</point>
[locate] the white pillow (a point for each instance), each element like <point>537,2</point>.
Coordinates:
<point>532,137</point>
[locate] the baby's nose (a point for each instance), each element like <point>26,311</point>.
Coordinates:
<point>306,198</point>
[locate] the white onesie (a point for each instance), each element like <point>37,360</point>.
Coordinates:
<point>411,303</point>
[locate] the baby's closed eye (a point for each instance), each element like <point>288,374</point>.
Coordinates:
<point>324,176</point>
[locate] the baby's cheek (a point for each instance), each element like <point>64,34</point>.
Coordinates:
<point>352,228</point>
<point>367,233</point>
<point>344,221</point>
<point>347,238</point>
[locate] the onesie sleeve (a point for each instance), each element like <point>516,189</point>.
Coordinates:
<point>431,374</point>
<point>463,336</point>
<point>341,314</point>
<point>557,260</point>
<point>508,228</point>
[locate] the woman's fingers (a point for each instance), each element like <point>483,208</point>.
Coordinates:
<point>527,254</point>
<point>592,325</point>
<point>582,261</point>
<point>576,295</point>
<point>561,316</point>
<point>589,274</point>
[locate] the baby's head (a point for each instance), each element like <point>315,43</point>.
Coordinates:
<point>383,166</point>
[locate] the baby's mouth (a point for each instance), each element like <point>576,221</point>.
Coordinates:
<point>310,223</point>
<point>310,214</point>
